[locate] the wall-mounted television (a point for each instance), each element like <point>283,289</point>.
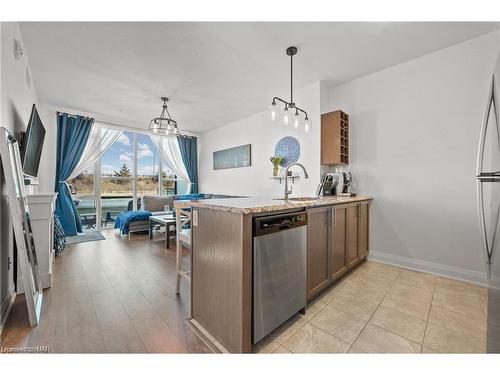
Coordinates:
<point>33,144</point>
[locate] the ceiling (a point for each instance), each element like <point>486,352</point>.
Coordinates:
<point>214,73</point>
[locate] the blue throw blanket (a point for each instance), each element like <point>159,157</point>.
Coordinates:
<point>124,219</point>
<point>189,197</point>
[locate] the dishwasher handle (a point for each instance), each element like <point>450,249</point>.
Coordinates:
<point>276,223</point>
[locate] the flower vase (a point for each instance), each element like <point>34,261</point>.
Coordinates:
<point>275,170</point>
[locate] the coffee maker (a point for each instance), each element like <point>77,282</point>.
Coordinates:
<point>347,183</point>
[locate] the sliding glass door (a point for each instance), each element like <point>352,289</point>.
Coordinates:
<point>117,179</point>
<point>130,169</point>
<point>83,190</point>
<point>148,167</point>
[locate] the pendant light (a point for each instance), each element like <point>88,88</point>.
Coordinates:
<point>164,124</point>
<point>292,115</point>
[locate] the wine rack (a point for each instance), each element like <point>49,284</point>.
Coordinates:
<point>335,138</point>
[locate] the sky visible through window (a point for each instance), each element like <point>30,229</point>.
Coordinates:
<point>116,193</point>
<point>121,152</point>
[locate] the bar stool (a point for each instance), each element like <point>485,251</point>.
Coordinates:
<point>183,239</point>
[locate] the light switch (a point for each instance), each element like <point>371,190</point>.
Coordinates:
<point>195,218</point>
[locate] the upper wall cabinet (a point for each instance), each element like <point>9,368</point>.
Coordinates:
<point>335,138</point>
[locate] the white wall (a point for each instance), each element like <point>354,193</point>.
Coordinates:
<point>262,134</point>
<point>17,97</point>
<point>414,137</point>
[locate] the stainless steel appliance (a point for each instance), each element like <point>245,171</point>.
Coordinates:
<point>488,196</point>
<point>346,182</point>
<point>279,270</point>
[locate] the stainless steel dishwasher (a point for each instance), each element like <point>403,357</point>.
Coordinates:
<point>279,270</point>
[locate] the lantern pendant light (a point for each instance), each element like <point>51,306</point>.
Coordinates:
<point>164,124</point>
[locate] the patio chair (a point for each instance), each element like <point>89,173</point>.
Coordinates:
<point>130,205</point>
<point>109,217</point>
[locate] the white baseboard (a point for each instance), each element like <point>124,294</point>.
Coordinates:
<point>5,307</point>
<point>430,267</point>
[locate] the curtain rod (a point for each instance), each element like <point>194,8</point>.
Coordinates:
<point>121,127</point>
<point>71,115</point>
<point>58,110</point>
<point>135,130</point>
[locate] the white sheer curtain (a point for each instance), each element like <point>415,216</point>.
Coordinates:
<point>100,140</point>
<point>170,152</point>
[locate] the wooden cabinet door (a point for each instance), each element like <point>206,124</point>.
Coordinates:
<point>338,256</point>
<point>363,229</point>
<point>352,235</point>
<point>318,275</point>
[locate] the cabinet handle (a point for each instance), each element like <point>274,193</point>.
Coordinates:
<point>334,217</point>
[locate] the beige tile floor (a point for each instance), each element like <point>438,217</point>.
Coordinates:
<point>386,309</point>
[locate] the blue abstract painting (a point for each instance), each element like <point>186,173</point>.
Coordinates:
<point>289,149</point>
<point>235,157</point>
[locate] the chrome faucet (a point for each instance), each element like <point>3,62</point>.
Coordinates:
<point>289,191</point>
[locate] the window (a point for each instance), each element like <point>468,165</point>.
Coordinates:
<point>129,169</point>
<point>148,166</point>
<point>118,161</point>
<point>83,192</point>
<point>117,177</point>
<point>83,184</point>
<point>168,181</point>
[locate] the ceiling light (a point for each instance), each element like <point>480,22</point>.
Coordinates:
<point>273,110</point>
<point>296,120</point>
<point>164,125</point>
<point>291,51</point>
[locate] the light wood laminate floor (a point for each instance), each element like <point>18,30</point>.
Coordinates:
<point>118,296</point>
<point>111,296</point>
<point>385,309</point>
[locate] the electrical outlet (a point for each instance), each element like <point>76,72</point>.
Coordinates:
<point>195,218</point>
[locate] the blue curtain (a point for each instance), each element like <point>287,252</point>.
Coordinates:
<point>72,135</point>
<point>189,153</point>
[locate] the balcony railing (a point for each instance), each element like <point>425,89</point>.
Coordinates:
<point>111,206</point>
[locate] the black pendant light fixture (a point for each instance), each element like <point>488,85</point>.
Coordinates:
<point>291,113</point>
<point>164,124</point>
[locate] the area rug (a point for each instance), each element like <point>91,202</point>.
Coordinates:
<point>85,237</point>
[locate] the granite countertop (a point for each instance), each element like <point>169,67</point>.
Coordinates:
<point>257,205</point>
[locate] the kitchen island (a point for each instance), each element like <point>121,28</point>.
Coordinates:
<point>222,255</point>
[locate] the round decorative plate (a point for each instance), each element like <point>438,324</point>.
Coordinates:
<point>289,149</point>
